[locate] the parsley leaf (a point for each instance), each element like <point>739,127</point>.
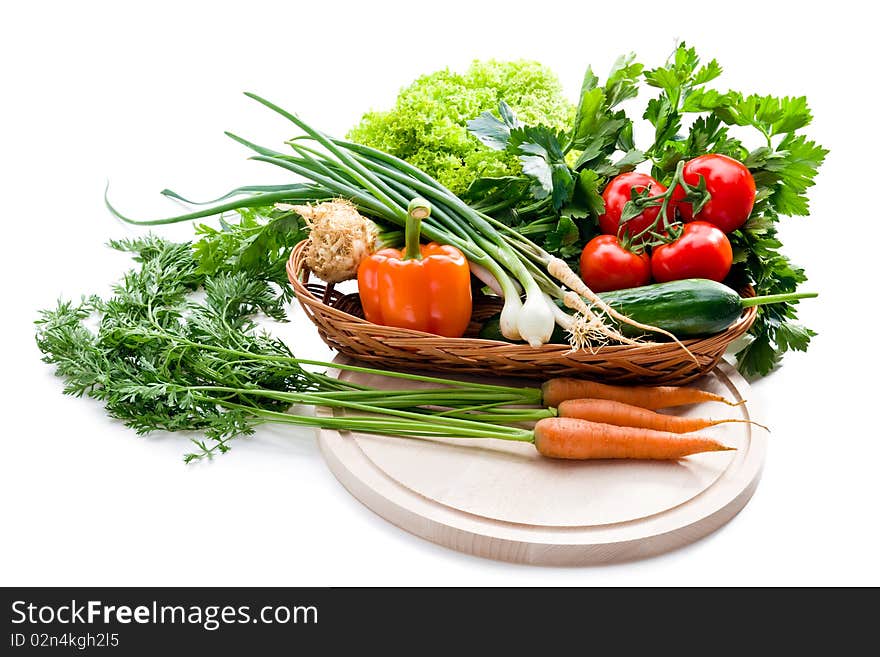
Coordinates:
<point>681,74</point>
<point>566,233</point>
<point>539,151</point>
<point>259,244</point>
<point>587,192</point>
<point>772,115</point>
<point>793,169</point>
<point>623,80</point>
<point>494,132</point>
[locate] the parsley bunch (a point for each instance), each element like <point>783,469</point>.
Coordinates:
<point>556,201</point>
<point>784,164</point>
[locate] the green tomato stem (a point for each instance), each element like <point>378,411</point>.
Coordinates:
<point>677,179</point>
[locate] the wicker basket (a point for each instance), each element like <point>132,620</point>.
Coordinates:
<point>339,319</point>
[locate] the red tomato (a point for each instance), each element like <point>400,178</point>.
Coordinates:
<point>617,193</point>
<point>701,251</point>
<point>606,265</point>
<point>732,188</point>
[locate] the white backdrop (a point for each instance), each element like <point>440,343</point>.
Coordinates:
<point>141,95</point>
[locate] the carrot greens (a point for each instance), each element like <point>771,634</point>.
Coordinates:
<point>163,359</point>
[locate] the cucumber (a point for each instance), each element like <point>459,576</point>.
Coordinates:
<point>689,308</point>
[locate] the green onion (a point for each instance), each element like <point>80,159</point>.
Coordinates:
<point>381,186</point>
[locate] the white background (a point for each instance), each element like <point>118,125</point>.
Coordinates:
<point>141,95</point>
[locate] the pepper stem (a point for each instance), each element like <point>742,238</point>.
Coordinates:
<point>417,210</point>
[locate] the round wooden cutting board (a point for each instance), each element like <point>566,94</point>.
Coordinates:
<point>501,500</point>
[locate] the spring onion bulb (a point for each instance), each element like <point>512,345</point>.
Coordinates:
<point>536,320</point>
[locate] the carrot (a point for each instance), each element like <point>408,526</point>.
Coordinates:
<point>572,438</point>
<point>556,391</point>
<point>626,415</point>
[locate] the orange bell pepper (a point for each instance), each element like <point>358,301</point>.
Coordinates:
<point>426,287</point>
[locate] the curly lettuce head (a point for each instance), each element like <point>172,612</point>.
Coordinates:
<point>426,127</point>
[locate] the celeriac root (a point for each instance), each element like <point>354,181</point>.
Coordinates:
<point>339,238</point>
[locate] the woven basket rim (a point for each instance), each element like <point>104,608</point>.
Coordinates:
<point>296,267</point>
